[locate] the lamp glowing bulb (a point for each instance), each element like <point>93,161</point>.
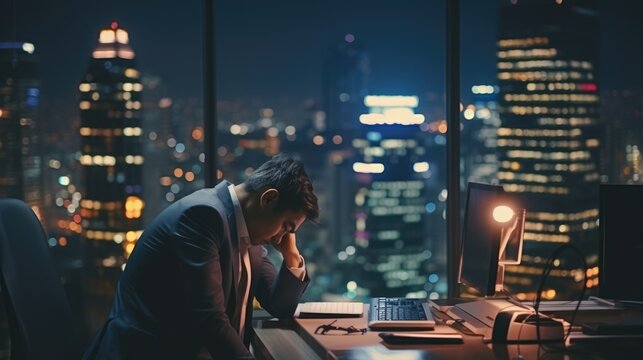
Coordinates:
<point>502,213</point>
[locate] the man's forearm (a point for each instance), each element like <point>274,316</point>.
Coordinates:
<point>285,292</point>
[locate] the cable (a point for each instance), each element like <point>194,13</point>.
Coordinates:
<point>543,279</point>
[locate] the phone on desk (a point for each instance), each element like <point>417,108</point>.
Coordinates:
<point>403,338</point>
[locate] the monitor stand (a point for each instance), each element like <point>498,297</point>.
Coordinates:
<point>482,313</point>
<point>479,316</point>
<point>506,320</point>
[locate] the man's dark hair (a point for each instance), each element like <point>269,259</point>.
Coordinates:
<point>288,176</point>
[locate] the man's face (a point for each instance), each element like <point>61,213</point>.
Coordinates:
<point>268,225</point>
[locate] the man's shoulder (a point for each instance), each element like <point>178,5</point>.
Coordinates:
<point>208,197</point>
<point>202,203</point>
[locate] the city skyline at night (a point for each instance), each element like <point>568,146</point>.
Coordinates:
<point>65,54</point>
<point>116,111</point>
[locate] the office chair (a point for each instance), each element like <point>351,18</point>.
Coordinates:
<point>38,313</point>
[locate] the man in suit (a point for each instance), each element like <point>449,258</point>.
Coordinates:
<point>188,285</point>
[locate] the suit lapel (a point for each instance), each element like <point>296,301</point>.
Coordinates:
<point>224,195</point>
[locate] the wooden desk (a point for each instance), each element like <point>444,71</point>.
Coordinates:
<point>295,339</point>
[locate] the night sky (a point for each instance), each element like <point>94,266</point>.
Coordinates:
<point>272,49</point>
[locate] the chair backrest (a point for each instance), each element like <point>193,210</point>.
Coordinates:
<point>39,315</point>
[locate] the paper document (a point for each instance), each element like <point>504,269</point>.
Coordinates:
<point>331,309</point>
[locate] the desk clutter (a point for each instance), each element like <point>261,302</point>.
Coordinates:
<point>348,332</point>
<point>515,323</point>
<point>604,333</point>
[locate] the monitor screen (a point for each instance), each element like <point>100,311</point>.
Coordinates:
<point>621,241</point>
<point>480,239</point>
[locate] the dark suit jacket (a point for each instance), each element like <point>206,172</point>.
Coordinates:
<point>178,291</point>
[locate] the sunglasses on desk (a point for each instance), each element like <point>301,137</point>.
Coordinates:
<point>332,329</point>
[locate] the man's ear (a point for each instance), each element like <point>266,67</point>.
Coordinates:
<point>269,198</point>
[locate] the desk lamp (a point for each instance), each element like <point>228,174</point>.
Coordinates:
<point>512,225</point>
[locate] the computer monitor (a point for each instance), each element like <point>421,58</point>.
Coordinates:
<point>492,237</point>
<point>621,241</point>
<point>480,239</point>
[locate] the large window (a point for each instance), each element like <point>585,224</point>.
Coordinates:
<point>551,95</point>
<point>102,127</point>
<point>359,99</point>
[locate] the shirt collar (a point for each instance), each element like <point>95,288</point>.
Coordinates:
<point>242,229</point>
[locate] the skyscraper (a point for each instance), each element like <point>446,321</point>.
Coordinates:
<point>20,161</point>
<point>390,200</point>
<point>111,158</point>
<point>478,139</point>
<point>345,78</point>
<point>548,141</point>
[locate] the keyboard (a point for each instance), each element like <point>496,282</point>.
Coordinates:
<point>396,313</point>
<point>330,309</point>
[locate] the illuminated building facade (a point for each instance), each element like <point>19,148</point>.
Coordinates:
<point>390,249</point>
<point>481,120</point>
<point>20,161</point>
<point>111,159</point>
<point>548,141</point>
